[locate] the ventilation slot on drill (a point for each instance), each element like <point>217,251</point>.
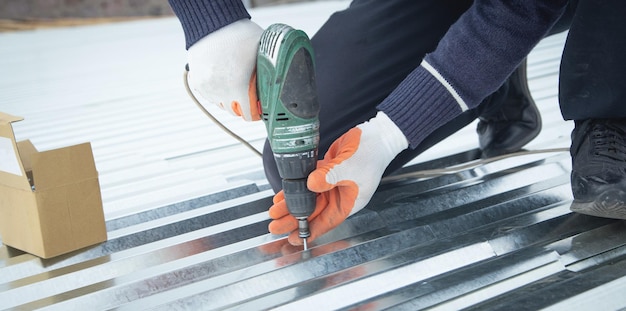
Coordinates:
<point>265,116</point>
<point>282,117</point>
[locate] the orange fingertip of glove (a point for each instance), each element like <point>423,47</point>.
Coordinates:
<point>255,108</point>
<point>317,180</point>
<point>282,221</point>
<point>283,225</point>
<point>236,108</point>
<point>278,210</point>
<point>345,146</point>
<point>280,196</point>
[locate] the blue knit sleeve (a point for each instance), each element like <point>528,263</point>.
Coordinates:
<point>202,17</point>
<point>472,60</point>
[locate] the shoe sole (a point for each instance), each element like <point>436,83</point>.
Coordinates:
<point>610,204</point>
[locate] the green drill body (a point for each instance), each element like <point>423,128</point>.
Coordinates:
<point>288,98</point>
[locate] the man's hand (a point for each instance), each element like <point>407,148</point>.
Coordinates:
<point>345,179</point>
<point>222,69</point>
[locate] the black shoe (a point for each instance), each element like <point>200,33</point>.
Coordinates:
<point>509,118</point>
<point>599,167</point>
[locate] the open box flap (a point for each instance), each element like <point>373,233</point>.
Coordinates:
<point>12,173</point>
<point>26,150</point>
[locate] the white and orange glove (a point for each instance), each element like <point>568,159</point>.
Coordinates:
<point>222,69</point>
<point>345,179</point>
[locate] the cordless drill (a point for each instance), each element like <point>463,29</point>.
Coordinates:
<point>289,108</point>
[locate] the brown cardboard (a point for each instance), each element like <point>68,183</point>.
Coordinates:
<point>59,209</point>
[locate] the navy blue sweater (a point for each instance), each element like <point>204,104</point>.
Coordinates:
<point>471,61</point>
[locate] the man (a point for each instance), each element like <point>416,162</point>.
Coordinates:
<point>399,76</point>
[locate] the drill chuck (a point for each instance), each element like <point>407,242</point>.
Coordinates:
<point>300,200</point>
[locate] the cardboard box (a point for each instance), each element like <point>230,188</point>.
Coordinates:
<point>50,201</point>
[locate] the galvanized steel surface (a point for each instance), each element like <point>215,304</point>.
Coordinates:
<point>186,206</point>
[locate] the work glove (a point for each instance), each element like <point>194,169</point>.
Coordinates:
<point>222,69</point>
<point>345,179</point>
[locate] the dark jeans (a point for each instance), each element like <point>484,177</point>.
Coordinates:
<point>362,54</point>
<point>592,80</point>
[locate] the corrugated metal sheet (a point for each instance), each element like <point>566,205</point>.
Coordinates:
<point>186,205</point>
